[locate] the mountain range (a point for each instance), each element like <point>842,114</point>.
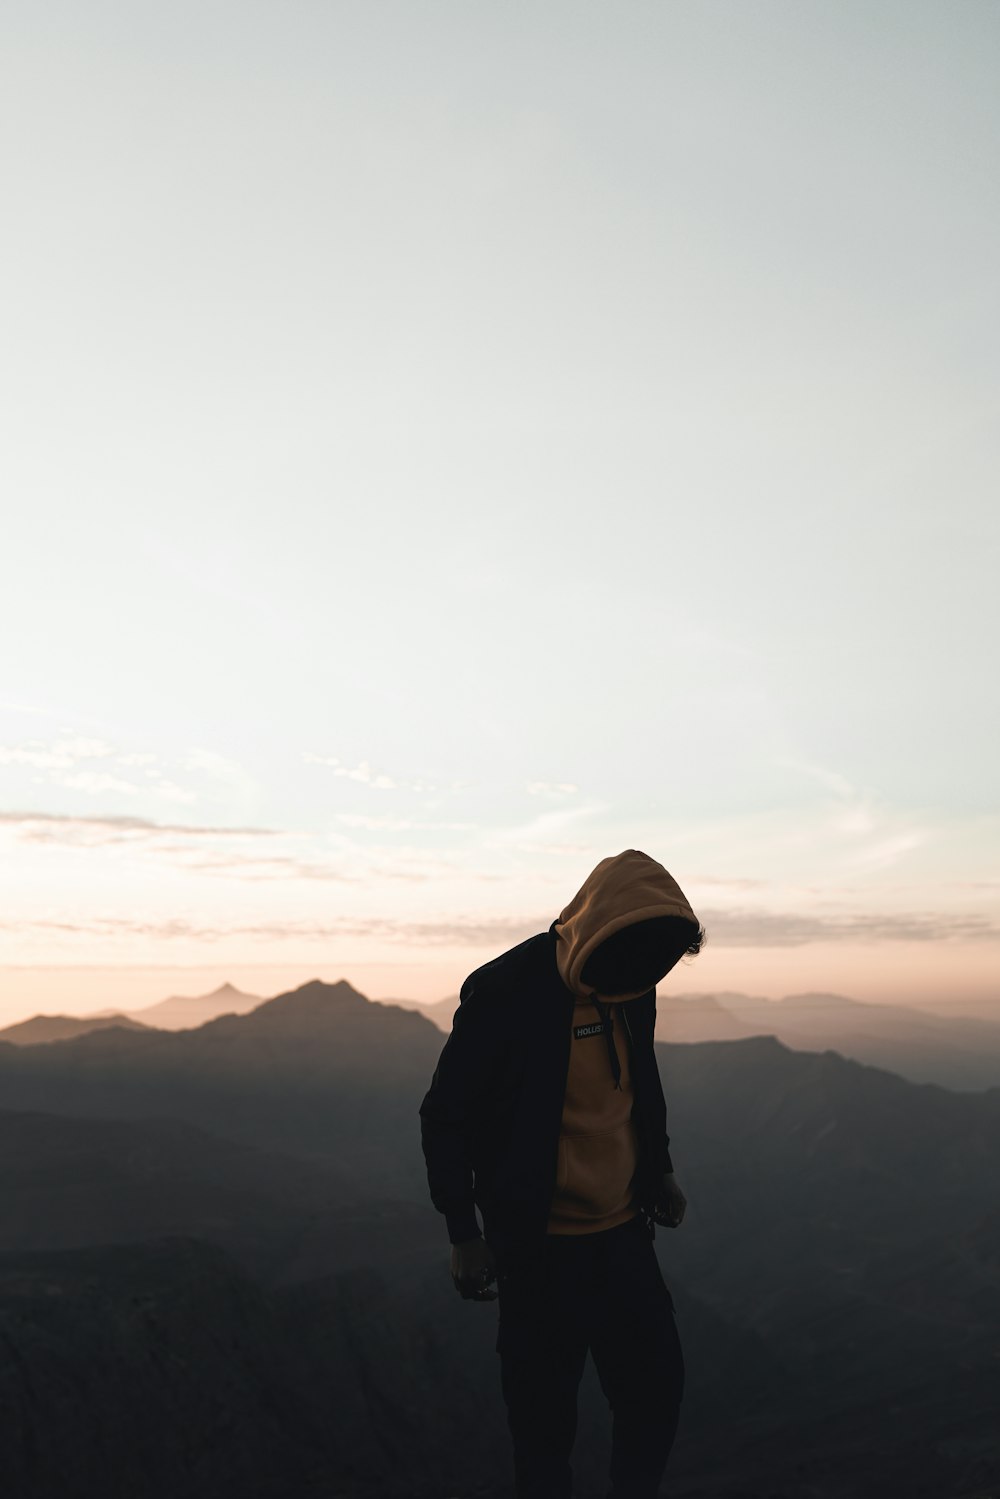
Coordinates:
<point>41,1028</point>
<point>220,1272</point>
<point>182,1011</point>
<point>959,1051</point>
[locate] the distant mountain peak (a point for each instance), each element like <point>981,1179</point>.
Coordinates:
<point>320,986</point>
<point>314,999</point>
<point>184,1011</point>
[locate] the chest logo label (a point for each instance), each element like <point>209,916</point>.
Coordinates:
<point>595,1028</point>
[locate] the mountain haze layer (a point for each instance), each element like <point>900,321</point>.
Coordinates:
<point>181,1011</point>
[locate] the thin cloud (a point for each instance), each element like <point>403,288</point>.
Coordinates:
<point>491,933</point>
<point>68,762</point>
<point>887,851</point>
<point>831,779</point>
<point>96,782</point>
<point>361,772</point>
<point>221,768</point>
<point>398,824</point>
<point>378,779</point>
<point>11,705</point>
<point>537,834</point>
<point>725,929</point>
<point>735,883</point>
<point>56,827</point>
<point>256,870</point>
<point>56,754</point>
<point>194,849</point>
<point>776,929</point>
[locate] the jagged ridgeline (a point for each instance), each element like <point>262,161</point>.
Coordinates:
<point>220,1273</point>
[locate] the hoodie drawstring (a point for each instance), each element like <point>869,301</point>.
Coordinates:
<point>605,1012</point>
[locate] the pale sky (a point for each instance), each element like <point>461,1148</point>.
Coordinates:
<point>447,443</point>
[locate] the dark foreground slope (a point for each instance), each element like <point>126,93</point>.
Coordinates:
<point>163,1369</point>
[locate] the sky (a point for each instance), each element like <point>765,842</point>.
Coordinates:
<point>448,443</point>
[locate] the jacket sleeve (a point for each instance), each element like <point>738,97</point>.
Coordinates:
<point>460,1081</point>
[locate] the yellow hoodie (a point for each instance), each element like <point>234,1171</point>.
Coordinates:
<point>598,1146</point>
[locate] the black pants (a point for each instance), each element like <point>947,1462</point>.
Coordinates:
<point>603,1292</point>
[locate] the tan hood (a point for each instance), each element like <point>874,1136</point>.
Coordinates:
<point>620,890</point>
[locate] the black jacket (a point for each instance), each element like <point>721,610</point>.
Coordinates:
<point>491,1118</point>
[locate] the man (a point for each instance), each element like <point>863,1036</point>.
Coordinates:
<point>546,1110</point>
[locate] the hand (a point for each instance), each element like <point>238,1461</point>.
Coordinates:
<point>473,1267</point>
<point>672,1200</point>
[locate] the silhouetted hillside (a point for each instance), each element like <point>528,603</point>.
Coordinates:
<point>72,1183</point>
<point>42,1028</point>
<point>319,1071</point>
<point>440,1012</point>
<point>957,1051</point>
<point>701,1017</point>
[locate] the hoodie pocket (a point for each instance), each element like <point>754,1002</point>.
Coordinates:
<point>596,1172</point>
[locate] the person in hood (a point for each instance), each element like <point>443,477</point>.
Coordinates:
<point>546,1111</point>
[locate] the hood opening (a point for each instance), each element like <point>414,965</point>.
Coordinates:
<point>623,891</point>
